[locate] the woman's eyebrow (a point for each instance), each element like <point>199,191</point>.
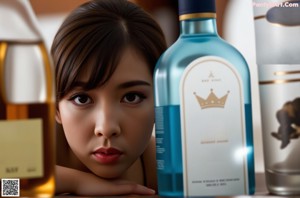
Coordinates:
<point>134,83</point>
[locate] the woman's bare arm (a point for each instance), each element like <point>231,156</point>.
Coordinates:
<point>77,182</point>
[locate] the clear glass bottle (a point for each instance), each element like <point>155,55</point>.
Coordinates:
<point>277,30</point>
<point>204,137</point>
<point>27,105</point>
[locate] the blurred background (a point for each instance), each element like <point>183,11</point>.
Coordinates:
<point>50,14</point>
<point>235,25</point>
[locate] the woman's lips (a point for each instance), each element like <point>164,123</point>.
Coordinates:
<point>107,155</point>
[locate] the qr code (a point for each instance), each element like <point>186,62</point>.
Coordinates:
<point>10,187</point>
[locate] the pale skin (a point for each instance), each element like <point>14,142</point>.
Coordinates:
<point>107,130</point>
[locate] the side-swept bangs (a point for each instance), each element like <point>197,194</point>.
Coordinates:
<point>93,38</point>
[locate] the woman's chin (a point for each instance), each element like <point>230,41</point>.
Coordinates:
<point>109,174</point>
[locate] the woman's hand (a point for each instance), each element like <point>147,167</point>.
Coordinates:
<point>81,183</point>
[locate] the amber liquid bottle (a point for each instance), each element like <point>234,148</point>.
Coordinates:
<point>27,110</point>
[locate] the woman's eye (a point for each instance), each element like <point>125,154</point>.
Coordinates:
<point>133,98</point>
<point>81,99</point>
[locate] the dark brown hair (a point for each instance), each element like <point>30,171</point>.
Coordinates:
<point>93,38</point>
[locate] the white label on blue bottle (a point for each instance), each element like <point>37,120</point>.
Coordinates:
<point>213,129</point>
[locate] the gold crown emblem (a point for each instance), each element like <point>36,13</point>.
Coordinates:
<point>212,100</point>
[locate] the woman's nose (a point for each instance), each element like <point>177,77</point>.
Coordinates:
<point>107,122</point>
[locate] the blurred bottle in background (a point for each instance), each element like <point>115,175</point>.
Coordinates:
<point>277,30</point>
<point>27,106</point>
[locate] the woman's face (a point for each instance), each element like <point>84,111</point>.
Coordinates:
<point>109,127</point>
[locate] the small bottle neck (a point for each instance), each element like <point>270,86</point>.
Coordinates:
<point>198,26</point>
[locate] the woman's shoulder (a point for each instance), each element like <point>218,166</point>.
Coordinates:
<point>149,160</point>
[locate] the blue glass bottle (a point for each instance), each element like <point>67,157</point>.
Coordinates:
<point>203,128</point>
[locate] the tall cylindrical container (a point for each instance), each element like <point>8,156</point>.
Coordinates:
<point>277,30</point>
<point>204,141</point>
<point>27,106</point>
